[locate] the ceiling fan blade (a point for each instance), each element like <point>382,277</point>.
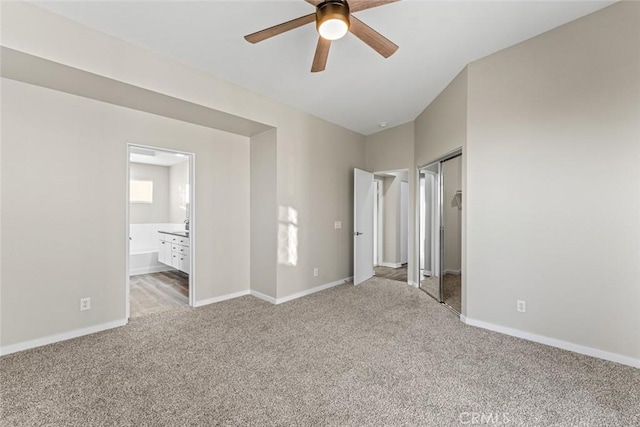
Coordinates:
<point>358,5</point>
<point>280,28</point>
<point>377,41</point>
<point>322,53</point>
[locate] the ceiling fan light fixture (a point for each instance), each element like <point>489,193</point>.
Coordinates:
<point>332,19</point>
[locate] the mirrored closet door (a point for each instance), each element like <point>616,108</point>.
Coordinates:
<point>440,240</point>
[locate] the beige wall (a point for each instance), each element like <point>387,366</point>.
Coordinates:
<point>535,122</point>
<point>315,184</point>
<point>391,150</point>
<point>302,138</point>
<point>315,158</point>
<point>569,96</point>
<point>442,126</point>
<point>264,238</point>
<point>158,211</point>
<point>64,164</point>
<point>178,192</point>
<point>554,183</point>
<point>440,129</point>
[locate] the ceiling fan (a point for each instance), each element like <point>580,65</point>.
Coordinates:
<point>333,20</point>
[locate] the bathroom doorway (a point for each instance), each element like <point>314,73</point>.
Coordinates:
<point>161,230</point>
<point>440,230</point>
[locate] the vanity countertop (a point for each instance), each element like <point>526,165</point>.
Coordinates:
<point>176,233</point>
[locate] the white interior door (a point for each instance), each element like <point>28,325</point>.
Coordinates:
<point>362,226</point>
<point>429,215</point>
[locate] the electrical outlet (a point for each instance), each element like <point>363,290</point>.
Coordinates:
<point>521,306</point>
<point>315,272</point>
<point>85,304</point>
<point>337,225</point>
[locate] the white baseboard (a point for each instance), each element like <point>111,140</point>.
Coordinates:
<point>271,299</point>
<point>13,348</point>
<point>454,272</point>
<point>390,264</point>
<point>262,296</point>
<point>221,298</point>
<point>149,270</point>
<point>39,342</point>
<point>553,342</point>
<point>413,284</point>
<point>313,290</point>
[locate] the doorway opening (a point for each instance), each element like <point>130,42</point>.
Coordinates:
<point>161,230</point>
<point>380,225</point>
<point>391,224</point>
<point>440,230</point>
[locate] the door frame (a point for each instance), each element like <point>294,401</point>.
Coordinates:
<point>379,176</point>
<point>432,224</point>
<point>404,223</point>
<point>439,224</point>
<point>192,220</point>
<point>376,220</point>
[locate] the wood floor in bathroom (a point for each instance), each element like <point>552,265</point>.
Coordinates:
<point>157,292</point>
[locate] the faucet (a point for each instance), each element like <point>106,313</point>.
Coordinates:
<point>186,224</point>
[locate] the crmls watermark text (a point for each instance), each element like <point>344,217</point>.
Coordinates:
<point>484,418</point>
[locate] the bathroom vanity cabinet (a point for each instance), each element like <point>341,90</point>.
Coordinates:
<point>174,250</point>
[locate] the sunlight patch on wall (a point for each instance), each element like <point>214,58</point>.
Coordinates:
<point>287,236</point>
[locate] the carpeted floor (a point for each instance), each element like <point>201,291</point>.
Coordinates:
<point>381,353</point>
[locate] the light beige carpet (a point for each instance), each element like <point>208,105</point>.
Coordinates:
<point>381,353</point>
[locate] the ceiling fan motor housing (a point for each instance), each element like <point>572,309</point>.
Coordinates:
<point>332,9</point>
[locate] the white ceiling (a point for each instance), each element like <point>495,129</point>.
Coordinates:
<point>359,88</point>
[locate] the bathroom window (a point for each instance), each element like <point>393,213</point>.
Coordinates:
<point>141,191</point>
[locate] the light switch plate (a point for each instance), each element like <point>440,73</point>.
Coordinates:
<point>337,225</point>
